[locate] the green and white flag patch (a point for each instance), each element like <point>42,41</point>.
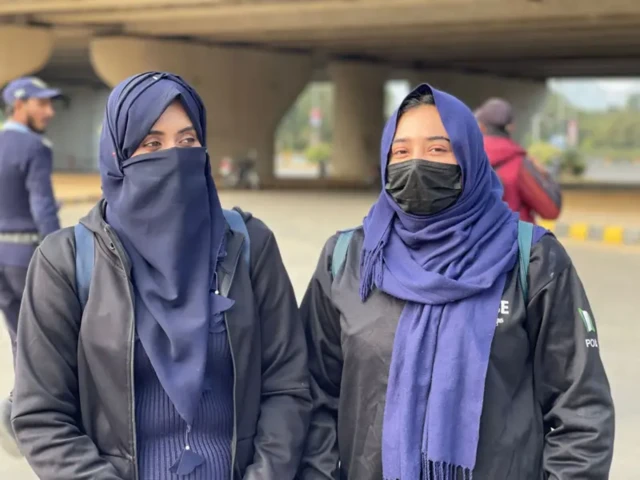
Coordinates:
<point>587,321</point>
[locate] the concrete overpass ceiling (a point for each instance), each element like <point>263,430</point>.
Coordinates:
<point>203,17</point>
<point>515,37</point>
<point>87,7</point>
<point>468,42</point>
<point>543,68</point>
<point>544,37</point>
<point>70,62</point>
<point>450,33</point>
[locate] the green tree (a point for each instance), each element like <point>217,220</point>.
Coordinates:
<point>614,133</point>
<point>295,131</point>
<point>319,153</point>
<point>633,102</point>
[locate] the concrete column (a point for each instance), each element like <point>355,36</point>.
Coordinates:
<point>23,50</point>
<point>526,96</point>
<point>246,91</point>
<point>358,119</point>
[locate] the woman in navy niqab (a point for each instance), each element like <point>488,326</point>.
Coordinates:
<point>165,210</point>
<point>160,337</point>
<point>168,216</point>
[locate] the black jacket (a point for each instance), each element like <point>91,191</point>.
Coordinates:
<point>73,410</point>
<point>547,412</point>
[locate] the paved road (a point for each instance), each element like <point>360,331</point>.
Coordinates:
<point>303,221</point>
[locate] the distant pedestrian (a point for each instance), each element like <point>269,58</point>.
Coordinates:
<point>529,189</point>
<point>28,210</point>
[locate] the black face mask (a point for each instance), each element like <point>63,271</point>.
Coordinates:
<point>422,187</point>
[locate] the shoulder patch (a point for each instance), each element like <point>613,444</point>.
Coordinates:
<point>587,321</point>
<point>590,328</point>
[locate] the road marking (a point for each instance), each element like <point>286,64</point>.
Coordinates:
<point>613,235</point>
<point>579,231</point>
<point>608,234</point>
<point>618,248</point>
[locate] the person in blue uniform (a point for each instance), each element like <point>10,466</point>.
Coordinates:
<point>28,210</point>
<point>187,358</point>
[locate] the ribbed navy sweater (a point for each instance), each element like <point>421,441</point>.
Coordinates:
<point>161,431</point>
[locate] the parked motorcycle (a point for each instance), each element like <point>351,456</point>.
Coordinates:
<point>240,172</point>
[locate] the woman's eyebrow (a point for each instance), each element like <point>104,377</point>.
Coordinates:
<point>186,129</point>
<point>438,137</point>
<point>431,139</point>
<point>159,132</point>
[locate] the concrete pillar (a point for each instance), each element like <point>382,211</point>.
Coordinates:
<point>358,119</point>
<point>23,50</point>
<point>246,91</point>
<point>526,96</point>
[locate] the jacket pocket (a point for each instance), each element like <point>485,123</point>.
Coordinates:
<point>123,465</point>
<point>244,455</point>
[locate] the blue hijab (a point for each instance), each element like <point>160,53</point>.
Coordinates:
<point>166,212</point>
<point>450,268</point>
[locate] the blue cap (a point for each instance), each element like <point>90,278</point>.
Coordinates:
<point>28,87</point>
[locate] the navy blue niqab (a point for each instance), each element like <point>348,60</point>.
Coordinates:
<point>166,212</point>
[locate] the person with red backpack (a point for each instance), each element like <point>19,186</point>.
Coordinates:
<point>528,188</point>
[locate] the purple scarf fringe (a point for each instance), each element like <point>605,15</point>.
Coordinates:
<point>441,471</point>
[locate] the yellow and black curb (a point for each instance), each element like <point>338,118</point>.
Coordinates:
<point>608,234</point>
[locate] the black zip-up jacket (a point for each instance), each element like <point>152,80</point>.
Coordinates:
<point>547,414</point>
<point>73,411</point>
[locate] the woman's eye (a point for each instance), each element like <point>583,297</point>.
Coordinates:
<point>152,144</point>
<point>188,140</point>
<point>400,152</point>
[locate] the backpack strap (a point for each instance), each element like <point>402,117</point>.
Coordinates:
<point>236,223</point>
<point>340,251</point>
<point>525,239</point>
<point>84,261</point>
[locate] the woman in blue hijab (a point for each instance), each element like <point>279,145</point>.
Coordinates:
<point>161,337</point>
<point>447,340</point>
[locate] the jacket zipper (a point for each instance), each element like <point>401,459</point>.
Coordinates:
<point>132,336</point>
<point>234,438</point>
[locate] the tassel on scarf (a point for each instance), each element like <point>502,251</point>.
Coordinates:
<point>441,471</point>
<point>371,266</point>
<point>444,471</point>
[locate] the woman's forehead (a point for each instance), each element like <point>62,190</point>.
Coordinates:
<point>423,120</point>
<point>174,115</point>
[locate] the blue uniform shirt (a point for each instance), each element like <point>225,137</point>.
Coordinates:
<point>27,203</point>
